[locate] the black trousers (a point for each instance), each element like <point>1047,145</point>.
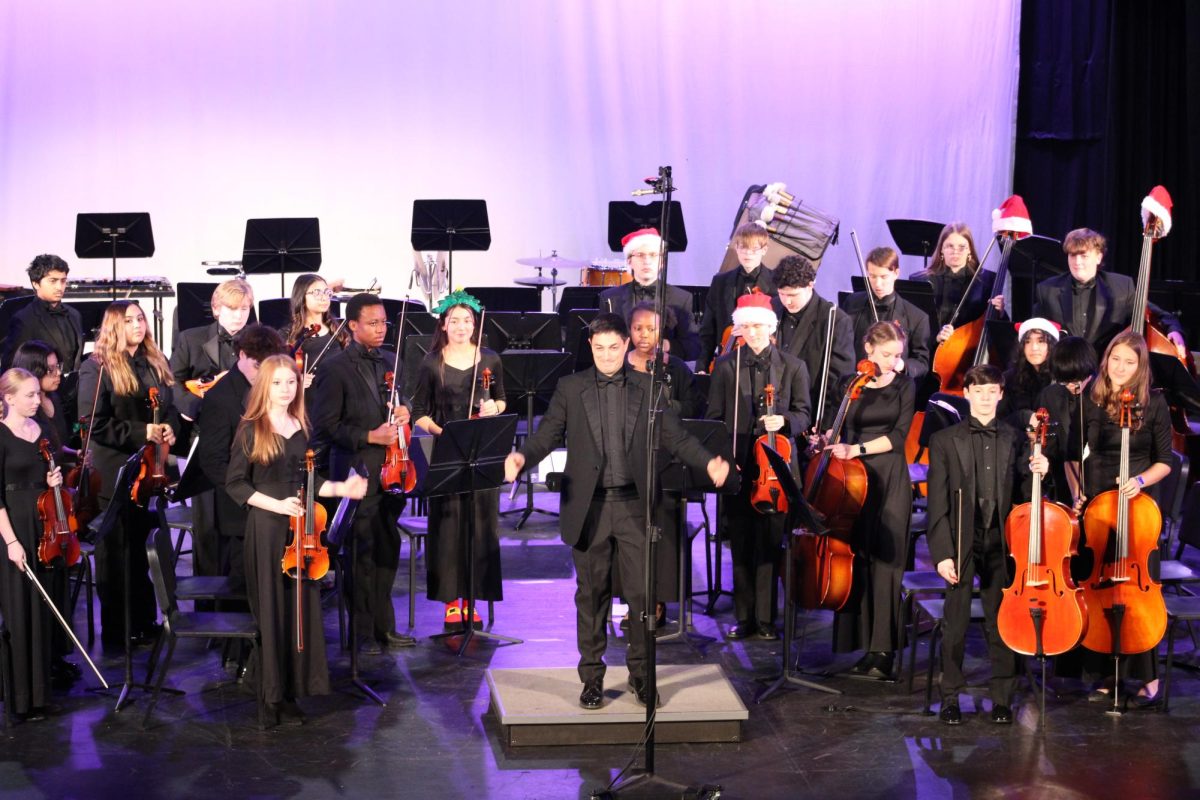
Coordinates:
<point>987,562</point>
<point>133,527</point>
<point>377,557</point>
<point>613,534</point>
<point>754,546</point>
<point>231,527</point>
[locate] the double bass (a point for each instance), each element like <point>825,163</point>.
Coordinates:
<point>1042,612</point>
<point>1126,613</point>
<point>306,557</point>
<point>152,474</point>
<point>766,496</point>
<point>837,490</point>
<point>59,525</point>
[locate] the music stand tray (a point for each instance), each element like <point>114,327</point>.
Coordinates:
<point>915,237</point>
<point>114,235</point>
<point>532,375</point>
<point>627,216</point>
<point>450,225</point>
<point>468,457</point>
<point>289,244</point>
<point>518,330</point>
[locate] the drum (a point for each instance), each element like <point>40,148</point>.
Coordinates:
<point>605,273</point>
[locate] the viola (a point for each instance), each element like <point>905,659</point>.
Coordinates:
<point>767,496</point>
<point>200,386</point>
<point>398,473</point>
<point>1042,612</point>
<point>306,556</point>
<point>485,389</point>
<point>837,490</point>
<point>59,526</point>
<point>84,481</point>
<point>1125,606</point>
<point>152,477</point>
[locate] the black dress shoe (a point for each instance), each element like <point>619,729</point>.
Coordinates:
<point>742,630</point>
<point>394,639</point>
<point>593,693</point>
<point>863,664</point>
<point>368,645</point>
<point>1002,715</point>
<point>640,691</point>
<point>880,667</point>
<point>951,715</point>
<point>767,633</point>
<point>61,665</point>
<point>290,712</point>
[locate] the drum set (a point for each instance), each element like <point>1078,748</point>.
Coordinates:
<point>600,272</point>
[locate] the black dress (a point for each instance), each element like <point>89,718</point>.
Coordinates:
<point>443,393</point>
<point>871,617</point>
<point>30,627</point>
<point>283,673</point>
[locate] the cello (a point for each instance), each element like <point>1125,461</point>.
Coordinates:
<point>152,474</point>
<point>59,526</point>
<point>1042,612</point>
<point>766,496</point>
<point>305,556</point>
<point>1125,606</point>
<point>837,490</point>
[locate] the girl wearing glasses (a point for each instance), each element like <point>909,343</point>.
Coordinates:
<point>955,262</point>
<point>42,361</point>
<point>311,299</point>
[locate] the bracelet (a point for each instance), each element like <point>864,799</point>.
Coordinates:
<point>10,544</point>
<point>1141,481</point>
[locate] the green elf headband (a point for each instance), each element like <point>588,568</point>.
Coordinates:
<point>457,298</point>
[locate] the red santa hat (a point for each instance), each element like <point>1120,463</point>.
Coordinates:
<point>755,307</point>
<point>1012,217</point>
<point>1158,203</point>
<point>1051,329</point>
<point>641,238</point>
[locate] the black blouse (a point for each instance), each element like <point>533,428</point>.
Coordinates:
<point>1148,445</point>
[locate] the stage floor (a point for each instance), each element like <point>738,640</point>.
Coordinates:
<point>436,738</point>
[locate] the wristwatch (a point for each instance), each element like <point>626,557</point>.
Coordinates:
<point>862,448</point>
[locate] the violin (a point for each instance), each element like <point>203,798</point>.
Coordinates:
<point>1042,612</point>
<point>837,490</point>
<point>307,332</point>
<point>485,389</point>
<point>200,386</point>
<point>1125,606</point>
<point>59,526</point>
<point>398,473</point>
<point>152,474</point>
<point>767,496</point>
<point>84,481</point>
<point>306,556</point>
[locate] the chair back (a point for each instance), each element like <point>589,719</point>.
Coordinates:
<point>161,556</point>
<point>942,411</point>
<point>1189,520</point>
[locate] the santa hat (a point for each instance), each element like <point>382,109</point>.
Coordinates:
<point>1012,217</point>
<point>641,238</point>
<point>755,307</point>
<point>1051,329</point>
<point>1158,203</point>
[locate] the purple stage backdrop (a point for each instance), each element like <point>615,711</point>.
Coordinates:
<point>208,113</point>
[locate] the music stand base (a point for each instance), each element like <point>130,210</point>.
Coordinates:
<point>470,633</point>
<point>705,792</point>
<point>785,679</point>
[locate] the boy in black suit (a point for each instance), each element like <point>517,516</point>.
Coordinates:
<point>353,424</point>
<point>48,319</point>
<point>883,268</point>
<point>601,411</point>
<point>750,244</point>
<point>974,469</point>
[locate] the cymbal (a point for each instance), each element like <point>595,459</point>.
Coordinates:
<point>551,262</point>
<point>540,280</point>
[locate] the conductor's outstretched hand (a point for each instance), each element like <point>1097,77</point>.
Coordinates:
<point>512,466</point>
<point>718,471</point>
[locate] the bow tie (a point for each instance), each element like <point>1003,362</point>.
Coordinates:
<point>980,428</point>
<point>749,278</point>
<point>617,379</point>
<point>761,361</point>
<point>56,309</point>
<point>225,338</point>
<point>640,289</point>
<point>1077,287</point>
<point>372,355</point>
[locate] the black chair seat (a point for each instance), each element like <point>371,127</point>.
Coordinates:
<point>1182,607</point>
<point>1177,572</point>
<point>207,625</point>
<point>207,587</point>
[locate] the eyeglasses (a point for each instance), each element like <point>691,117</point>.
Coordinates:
<point>742,248</point>
<point>319,293</point>
<point>954,248</point>
<point>644,256</point>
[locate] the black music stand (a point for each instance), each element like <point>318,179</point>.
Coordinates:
<point>798,514</point>
<point>340,529</point>
<point>124,235</point>
<point>915,237</point>
<point>574,297</point>
<point>116,513</point>
<point>468,457</point>
<point>450,225</point>
<point>282,245</point>
<point>1034,259</point>
<point>1180,387</point>
<point>416,347</point>
<point>421,323</point>
<point>678,477</point>
<point>411,310</point>
<point>507,298</point>
<point>517,330</point>
<point>627,216</point>
<point>529,374</point>
<point>578,326</point>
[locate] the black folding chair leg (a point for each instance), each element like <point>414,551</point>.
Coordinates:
<point>934,643</point>
<point>154,653</point>
<point>158,683</point>
<point>1166,683</point>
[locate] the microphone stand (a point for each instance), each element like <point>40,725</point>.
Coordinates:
<point>664,186</point>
